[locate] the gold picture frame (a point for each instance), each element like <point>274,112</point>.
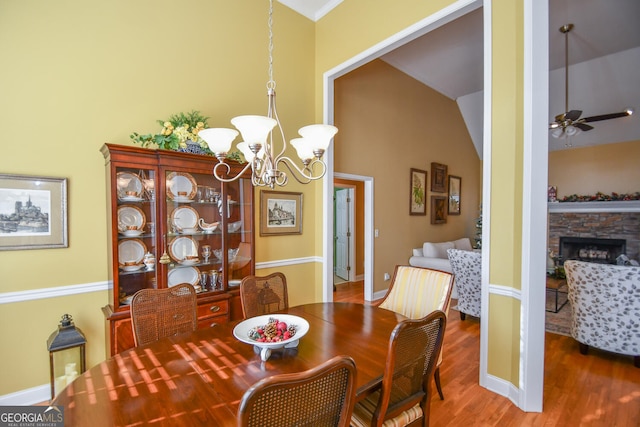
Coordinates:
<point>280,213</point>
<point>33,212</point>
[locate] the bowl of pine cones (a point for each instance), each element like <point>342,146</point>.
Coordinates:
<point>271,331</point>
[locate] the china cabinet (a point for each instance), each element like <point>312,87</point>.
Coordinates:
<point>171,221</point>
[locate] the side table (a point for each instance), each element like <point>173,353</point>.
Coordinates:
<point>558,287</point>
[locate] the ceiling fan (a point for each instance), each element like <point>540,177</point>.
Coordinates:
<point>569,123</point>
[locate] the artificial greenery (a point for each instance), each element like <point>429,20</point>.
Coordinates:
<point>176,131</point>
<point>478,237</point>
<point>601,197</point>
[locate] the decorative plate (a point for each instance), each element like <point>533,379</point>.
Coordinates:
<point>242,329</point>
<point>130,216</point>
<point>185,217</point>
<point>181,247</point>
<point>181,186</point>
<point>129,186</point>
<point>131,251</point>
<point>183,275</point>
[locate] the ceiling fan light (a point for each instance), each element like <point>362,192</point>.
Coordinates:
<point>571,130</point>
<point>557,132</point>
<point>629,111</point>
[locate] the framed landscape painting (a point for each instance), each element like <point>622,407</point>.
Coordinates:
<point>418,192</point>
<point>280,213</point>
<point>33,212</point>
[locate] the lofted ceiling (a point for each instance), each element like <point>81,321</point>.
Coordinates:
<point>604,58</point>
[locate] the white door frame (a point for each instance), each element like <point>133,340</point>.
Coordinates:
<point>528,395</point>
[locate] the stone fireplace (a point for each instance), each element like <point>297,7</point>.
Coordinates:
<point>612,227</point>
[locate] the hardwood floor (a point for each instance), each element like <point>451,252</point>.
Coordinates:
<point>600,389</point>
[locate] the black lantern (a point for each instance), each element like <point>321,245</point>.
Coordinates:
<point>66,354</point>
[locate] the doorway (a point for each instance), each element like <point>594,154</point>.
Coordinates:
<point>344,233</point>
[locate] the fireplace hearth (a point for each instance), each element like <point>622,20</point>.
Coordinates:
<point>590,249</point>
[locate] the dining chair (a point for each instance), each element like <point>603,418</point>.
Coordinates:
<point>405,396</point>
<point>159,313</point>
<point>321,396</point>
<point>467,269</point>
<point>263,294</point>
<point>415,292</point>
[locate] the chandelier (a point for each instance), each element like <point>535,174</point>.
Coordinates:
<point>258,145</point>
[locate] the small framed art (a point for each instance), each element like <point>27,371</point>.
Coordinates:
<point>455,183</point>
<point>280,213</point>
<point>33,212</point>
<point>417,192</point>
<point>438,210</point>
<point>438,178</point>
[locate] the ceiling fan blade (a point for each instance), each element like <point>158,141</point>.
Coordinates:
<point>605,117</point>
<point>583,127</point>
<point>572,115</point>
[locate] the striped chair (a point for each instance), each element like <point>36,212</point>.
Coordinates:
<point>415,292</point>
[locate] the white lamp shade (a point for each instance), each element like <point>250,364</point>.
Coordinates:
<point>319,136</point>
<point>557,132</point>
<point>218,139</point>
<point>303,148</point>
<point>254,129</point>
<point>247,153</point>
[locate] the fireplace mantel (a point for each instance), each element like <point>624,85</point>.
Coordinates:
<point>588,207</point>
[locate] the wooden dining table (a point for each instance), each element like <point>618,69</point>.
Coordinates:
<point>200,378</point>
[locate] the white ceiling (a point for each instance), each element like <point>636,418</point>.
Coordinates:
<point>604,58</point>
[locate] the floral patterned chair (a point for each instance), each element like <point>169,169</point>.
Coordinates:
<point>467,269</point>
<point>605,307</point>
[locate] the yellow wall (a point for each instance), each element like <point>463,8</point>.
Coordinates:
<point>390,123</point>
<point>606,168</point>
<point>77,74</point>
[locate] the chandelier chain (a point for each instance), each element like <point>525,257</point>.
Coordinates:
<point>271,84</point>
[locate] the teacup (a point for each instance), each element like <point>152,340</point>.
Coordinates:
<point>132,193</point>
<point>182,193</point>
<point>132,227</point>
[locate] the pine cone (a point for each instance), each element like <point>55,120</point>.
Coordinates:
<point>292,330</point>
<point>270,330</point>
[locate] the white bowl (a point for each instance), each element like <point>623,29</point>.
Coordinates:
<point>234,226</point>
<point>132,233</point>
<point>189,230</point>
<point>132,267</point>
<point>241,332</point>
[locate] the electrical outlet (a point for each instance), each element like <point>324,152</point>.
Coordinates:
<point>386,277</point>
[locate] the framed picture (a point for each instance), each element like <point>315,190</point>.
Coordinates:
<point>33,212</point>
<point>418,192</point>
<point>438,209</point>
<point>280,213</point>
<point>438,178</point>
<point>552,193</point>
<point>454,194</point>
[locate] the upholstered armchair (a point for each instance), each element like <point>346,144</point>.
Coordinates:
<point>605,307</point>
<point>467,269</point>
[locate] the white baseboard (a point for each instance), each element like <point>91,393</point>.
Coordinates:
<point>30,396</point>
<point>503,388</point>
